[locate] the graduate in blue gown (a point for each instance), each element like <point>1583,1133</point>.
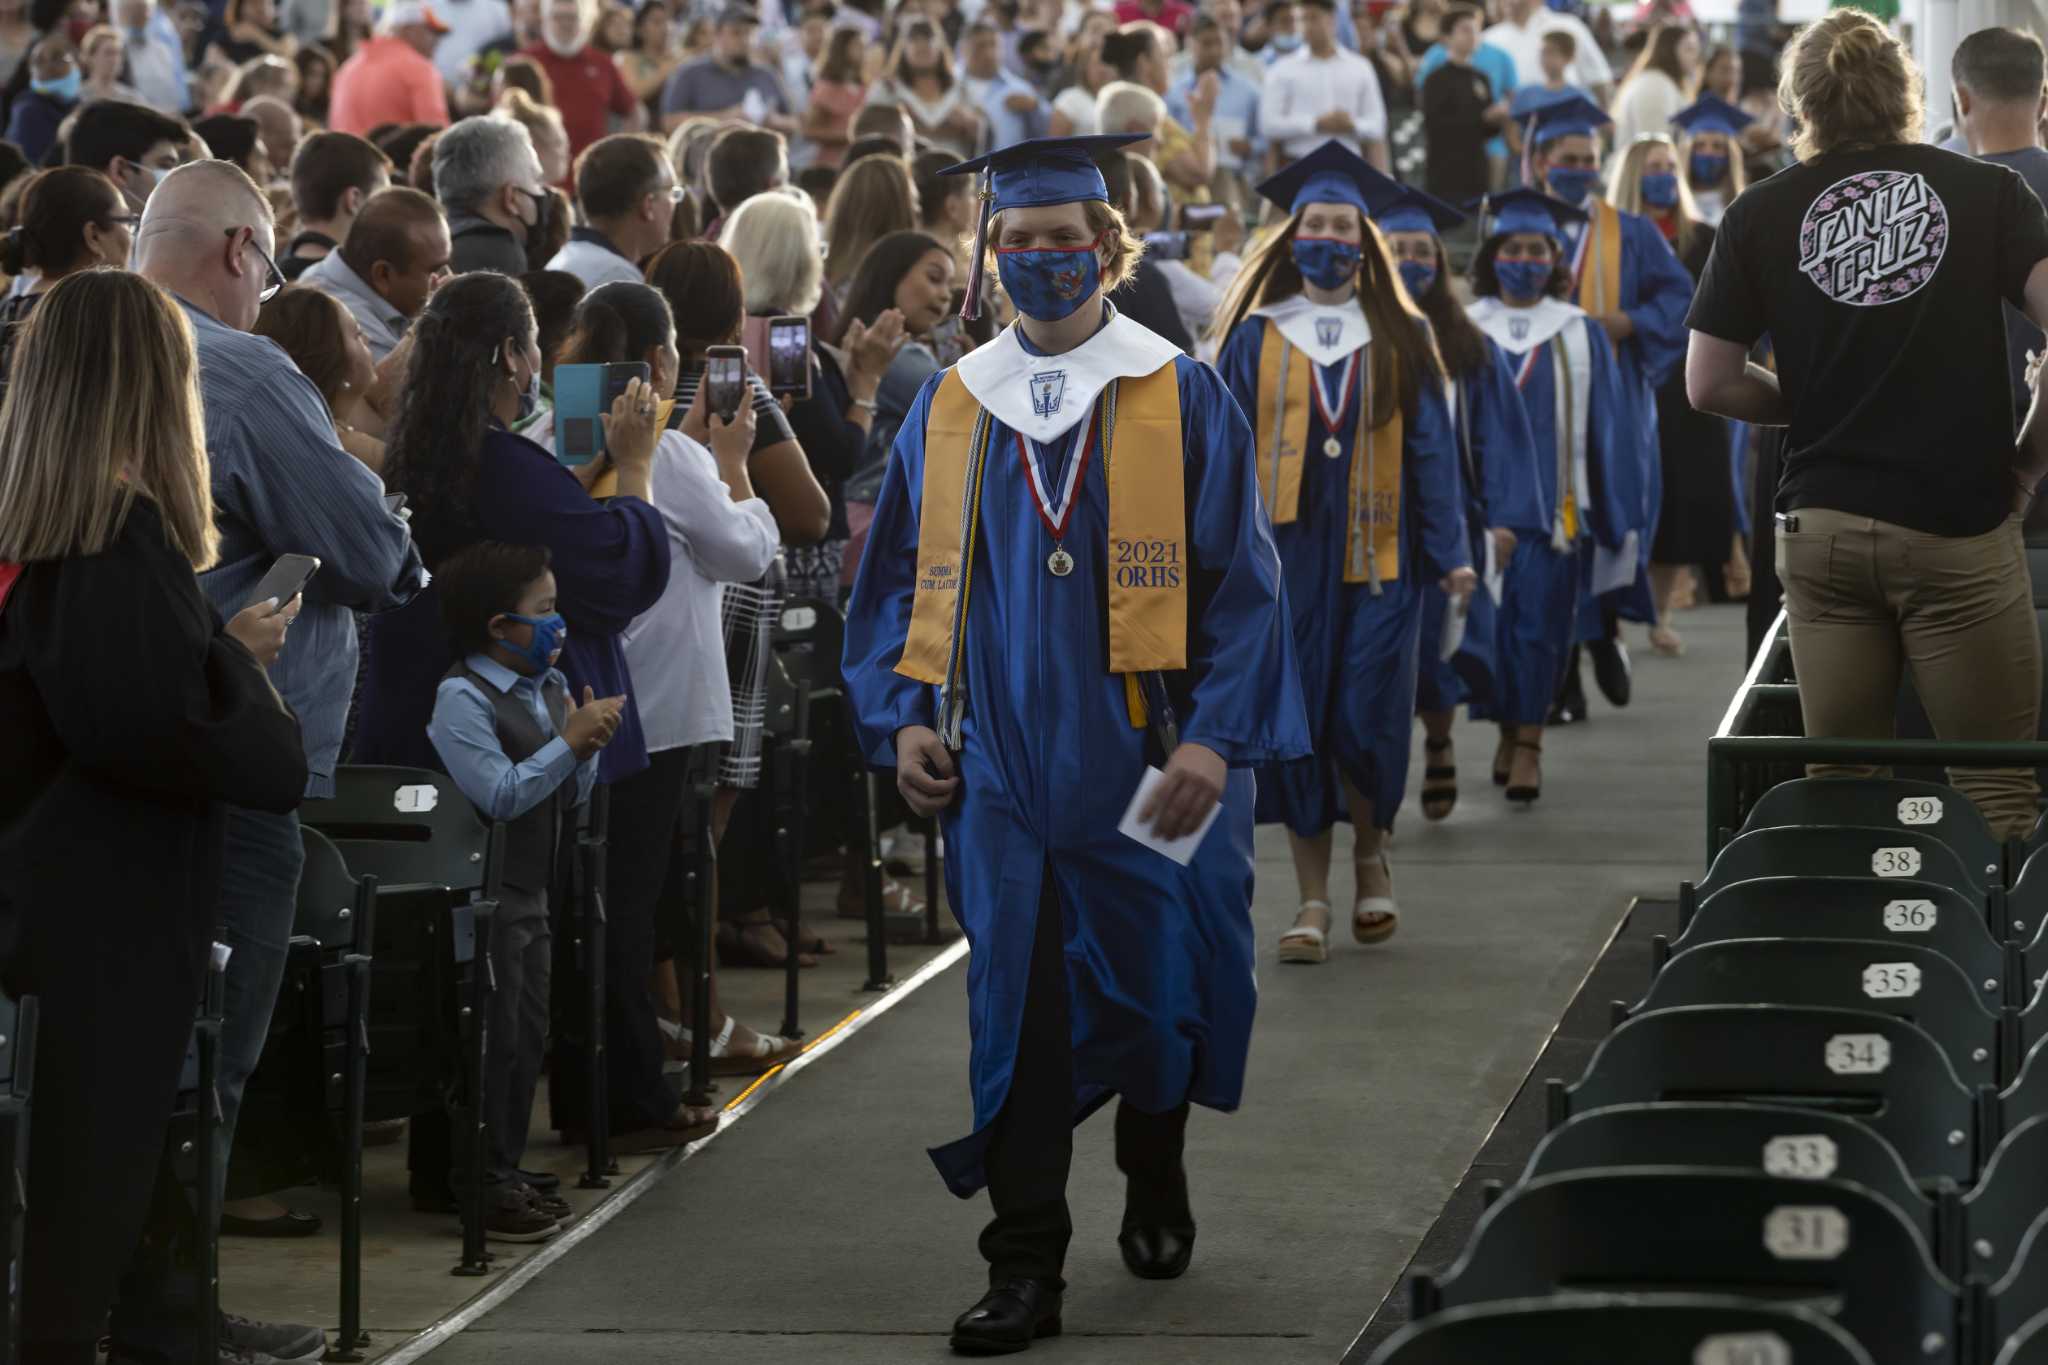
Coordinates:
<point>1359,470</point>
<point>1068,573</point>
<point>1625,276</point>
<point>1497,476</point>
<point>1589,481</point>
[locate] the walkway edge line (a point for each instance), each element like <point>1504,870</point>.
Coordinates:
<point>649,1176</point>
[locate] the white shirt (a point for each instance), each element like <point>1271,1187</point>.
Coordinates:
<point>593,263</point>
<point>1079,106</point>
<point>1525,44</point>
<point>1301,88</point>
<point>1644,105</point>
<point>472,25</point>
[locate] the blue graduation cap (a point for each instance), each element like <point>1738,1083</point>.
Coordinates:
<point>1413,211</point>
<point>1712,114</point>
<point>1574,114</point>
<point>1034,173</point>
<point>1525,210</point>
<point>1331,174</point>
<point>1530,98</point>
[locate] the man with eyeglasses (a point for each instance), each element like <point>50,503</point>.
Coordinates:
<point>627,193</point>
<point>282,484</point>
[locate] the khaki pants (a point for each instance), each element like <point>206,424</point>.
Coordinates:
<point>1867,598</point>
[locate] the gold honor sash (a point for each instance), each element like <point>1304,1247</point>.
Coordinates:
<point>1596,280</point>
<point>1282,436</point>
<point>1148,545</point>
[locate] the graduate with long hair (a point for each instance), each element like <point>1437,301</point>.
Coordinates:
<point>1497,476</point>
<point>1359,471</point>
<point>1710,150</point>
<point>1590,479</point>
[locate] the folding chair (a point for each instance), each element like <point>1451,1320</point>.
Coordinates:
<point>437,867</point>
<point>1623,1329</point>
<point>804,631</point>
<point>2027,906</point>
<point>2027,1346</point>
<point>1674,1229</point>
<point>1872,1067</point>
<point>1891,855</point>
<point>330,962</point>
<point>1889,802</point>
<point>190,1143</point>
<point>1865,908</point>
<point>17,1084</point>
<point>587,951</point>
<point>1912,983</point>
<point>1797,1144</point>
<point>2010,1197</point>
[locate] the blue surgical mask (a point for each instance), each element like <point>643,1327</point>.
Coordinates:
<point>1522,280</point>
<point>1418,276</point>
<point>1660,189</point>
<point>1286,42</point>
<point>1572,183</point>
<point>64,88</point>
<point>548,634</point>
<point>1707,169</point>
<point>1325,262</point>
<point>529,399</point>
<point>1049,285</point>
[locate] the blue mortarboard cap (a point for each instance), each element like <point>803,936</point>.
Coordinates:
<point>1712,114</point>
<point>1331,174</point>
<point>1574,114</point>
<point>1411,210</point>
<point>1530,98</point>
<point>1046,170</point>
<point>1525,210</point>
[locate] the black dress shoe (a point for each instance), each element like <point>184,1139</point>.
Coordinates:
<point>1156,1252</point>
<point>1611,669</point>
<point>1570,705</point>
<point>1009,1318</point>
<point>290,1223</point>
<point>547,1182</point>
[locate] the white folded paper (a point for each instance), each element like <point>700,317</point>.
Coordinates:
<point>1614,570</point>
<point>1181,850</point>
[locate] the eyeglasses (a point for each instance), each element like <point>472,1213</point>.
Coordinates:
<point>272,281</point>
<point>131,221</point>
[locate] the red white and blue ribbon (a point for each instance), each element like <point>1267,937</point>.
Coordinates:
<point>1057,514</point>
<point>1330,412</point>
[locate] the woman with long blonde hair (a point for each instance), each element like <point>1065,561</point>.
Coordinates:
<point>129,718</point>
<point>1710,154</point>
<point>1324,351</point>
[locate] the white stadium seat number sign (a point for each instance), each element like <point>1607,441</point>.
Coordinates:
<point>1858,1054</point>
<point>1920,810</point>
<point>1800,1232</point>
<point>1910,917</point>
<point>1896,862</point>
<point>1891,980</point>
<point>1802,1156</point>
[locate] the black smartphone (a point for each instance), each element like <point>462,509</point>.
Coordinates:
<point>789,356</point>
<point>1202,217</point>
<point>725,380</point>
<point>285,580</point>
<point>1166,246</point>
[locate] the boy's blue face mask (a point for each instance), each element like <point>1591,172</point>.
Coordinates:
<point>548,634</point>
<point>1572,183</point>
<point>1050,284</point>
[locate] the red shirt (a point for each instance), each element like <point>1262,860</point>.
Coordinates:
<point>386,81</point>
<point>588,87</point>
<point>1173,14</point>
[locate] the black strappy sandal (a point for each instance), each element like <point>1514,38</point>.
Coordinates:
<point>1439,782</point>
<point>1503,757</point>
<point>1524,795</point>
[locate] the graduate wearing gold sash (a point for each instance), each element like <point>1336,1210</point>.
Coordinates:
<point>1068,576</point>
<point>1359,470</point>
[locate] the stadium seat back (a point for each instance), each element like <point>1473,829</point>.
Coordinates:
<point>405,826</point>
<point>1889,853</point>
<point>1642,1329</point>
<point>1929,808</point>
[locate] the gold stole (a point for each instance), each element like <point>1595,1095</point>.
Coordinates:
<point>1596,286</point>
<point>607,485</point>
<point>1282,440</point>
<point>1147,553</point>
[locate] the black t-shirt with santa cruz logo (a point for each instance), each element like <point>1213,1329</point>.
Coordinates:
<point>1877,275</point>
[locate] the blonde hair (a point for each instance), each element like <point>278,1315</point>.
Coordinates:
<point>1120,104</point>
<point>1125,246</point>
<point>1849,80</point>
<point>774,237</point>
<point>103,404</point>
<point>874,197</point>
<point>529,113</point>
<point>1625,186</point>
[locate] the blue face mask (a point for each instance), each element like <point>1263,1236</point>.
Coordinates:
<point>1286,42</point>
<point>1418,276</point>
<point>1050,285</point>
<point>1325,262</point>
<point>1707,169</point>
<point>1660,189</point>
<point>548,633</point>
<point>64,88</point>
<point>1522,280</point>
<point>1572,183</point>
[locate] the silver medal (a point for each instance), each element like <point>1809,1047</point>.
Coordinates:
<point>1331,448</point>
<point>1060,562</point>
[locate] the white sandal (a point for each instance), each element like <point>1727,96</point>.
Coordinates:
<point>768,1050</point>
<point>1305,942</point>
<point>1381,929</point>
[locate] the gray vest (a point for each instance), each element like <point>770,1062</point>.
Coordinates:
<point>531,840</point>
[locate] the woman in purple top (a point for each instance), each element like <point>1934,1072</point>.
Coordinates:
<point>473,371</point>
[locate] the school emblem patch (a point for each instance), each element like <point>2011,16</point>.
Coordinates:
<point>1874,237</point>
<point>1518,328</point>
<point>1329,331</point>
<point>1047,387</point>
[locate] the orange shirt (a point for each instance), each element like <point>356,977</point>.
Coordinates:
<point>386,81</point>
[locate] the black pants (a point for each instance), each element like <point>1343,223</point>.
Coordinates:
<point>1031,1143</point>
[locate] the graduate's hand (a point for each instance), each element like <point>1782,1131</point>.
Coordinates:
<point>1193,785</point>
<point>1459,583</point>
<point>924,770</point>
<point>1620,326</point>
<point>1504,543</point>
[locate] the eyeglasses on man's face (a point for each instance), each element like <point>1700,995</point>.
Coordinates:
<point>273,279</point>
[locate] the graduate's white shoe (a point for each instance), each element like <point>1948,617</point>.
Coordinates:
<point>1375,918</point>
<point>1307,941</point>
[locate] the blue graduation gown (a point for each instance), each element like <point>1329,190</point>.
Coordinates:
<point>1656,291</point>
<point>1497,472</point>
<point>1358,652</point>
<point>1159,957</point>
<point>1540,598</point>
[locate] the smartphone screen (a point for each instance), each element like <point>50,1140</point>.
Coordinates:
<point>789,356</point>
<point>1201,217</point>
<point>725,379</point>
<point>285,580</point>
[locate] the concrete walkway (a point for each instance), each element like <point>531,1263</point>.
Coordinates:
<point>817,1231</point>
